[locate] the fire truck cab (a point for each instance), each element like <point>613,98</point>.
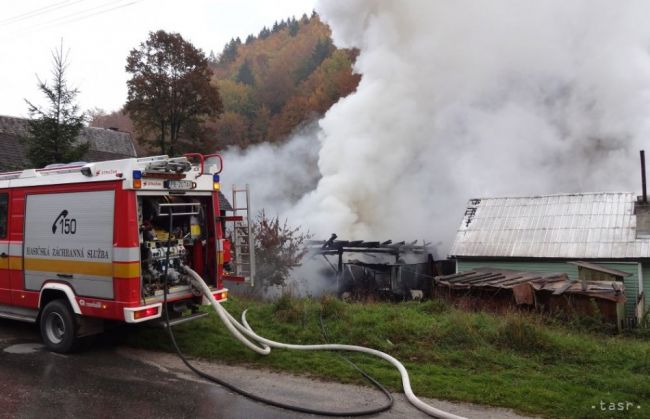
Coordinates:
<point>82,244</point>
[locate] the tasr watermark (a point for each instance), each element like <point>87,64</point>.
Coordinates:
<point>616,406</point>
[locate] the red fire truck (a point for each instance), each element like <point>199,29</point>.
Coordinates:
<point>82,245</point>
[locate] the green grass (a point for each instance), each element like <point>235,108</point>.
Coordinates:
<point>523,362</point>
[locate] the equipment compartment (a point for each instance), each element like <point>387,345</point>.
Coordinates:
<point>190,236</point>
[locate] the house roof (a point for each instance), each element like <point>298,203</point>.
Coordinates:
<point>13,155</point>
<point>105,144</point>
<point>224,205</point>
<point>571,226</point>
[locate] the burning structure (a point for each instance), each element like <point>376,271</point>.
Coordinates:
<point>385,269</point>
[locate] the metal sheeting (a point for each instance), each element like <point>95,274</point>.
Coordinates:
<point>554,293</point>
<point>546,268</point>
<point>557,283</point>
<point>581,226</point>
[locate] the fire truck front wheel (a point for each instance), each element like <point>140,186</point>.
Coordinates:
<point>58,327</point>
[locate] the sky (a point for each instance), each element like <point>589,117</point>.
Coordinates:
<point>98,34</point>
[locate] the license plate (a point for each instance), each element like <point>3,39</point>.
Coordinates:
<point>180,184</point>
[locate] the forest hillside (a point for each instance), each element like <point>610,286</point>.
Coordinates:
<point>270,84</point>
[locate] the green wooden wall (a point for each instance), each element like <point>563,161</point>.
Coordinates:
<point>631,282</point>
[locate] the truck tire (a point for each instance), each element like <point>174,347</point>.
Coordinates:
<point>58,327</point>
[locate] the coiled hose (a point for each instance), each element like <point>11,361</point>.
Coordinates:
<point>243,332</point>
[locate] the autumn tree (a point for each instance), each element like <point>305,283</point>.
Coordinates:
<point>260,125</point>
<point>54,130</point>
<point>116,120</point>
<point>277,82</point>
<point>237,97</point>
<point>170,93</point>
<point>233,127</point>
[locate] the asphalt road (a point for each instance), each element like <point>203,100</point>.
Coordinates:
<point>103,383</point>
<point>108,380</point>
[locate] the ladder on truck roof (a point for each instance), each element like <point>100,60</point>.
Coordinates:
<point>243,242</point>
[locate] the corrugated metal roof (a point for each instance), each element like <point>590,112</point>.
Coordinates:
<point>575,226</point>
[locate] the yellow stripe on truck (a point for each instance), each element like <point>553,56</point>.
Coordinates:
<point>69,267</point>
<point>120,270</point>
<point>11,262</point>
<point>15,263</point>
<point>126,270</point>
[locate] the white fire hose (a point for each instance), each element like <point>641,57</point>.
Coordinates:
<point>238,330</point>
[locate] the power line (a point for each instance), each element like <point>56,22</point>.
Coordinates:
<point>38,12</point>
<point>77,16</point>
<point>33,12</point>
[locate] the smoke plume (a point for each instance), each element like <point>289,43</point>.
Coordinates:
<point>278,175</point>
<point>466,99</point>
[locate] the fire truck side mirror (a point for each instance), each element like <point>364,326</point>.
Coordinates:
<point>214,163</point>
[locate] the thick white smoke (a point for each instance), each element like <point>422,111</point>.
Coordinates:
<point>462,99</point>
<point>278,175</point>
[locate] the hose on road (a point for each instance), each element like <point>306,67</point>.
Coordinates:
<point>245,334</point>
<point>265,350</point>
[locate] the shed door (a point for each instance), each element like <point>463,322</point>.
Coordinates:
<point>69,238</point>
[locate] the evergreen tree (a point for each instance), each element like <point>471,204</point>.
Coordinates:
<point>321,51</point>
<point>245,74</point>
<point>53,131</point>
<point>264,33</point>
<point>212,59</point>
<point>250,39</point>
<point>229,53</point>
<point>294,27</point>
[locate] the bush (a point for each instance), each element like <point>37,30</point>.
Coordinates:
<point>332,307</point>
<point>436,306</point>
<point>289,309</point>
<point>524,335</point>
<point>460,332</point>
<point>279,248</point>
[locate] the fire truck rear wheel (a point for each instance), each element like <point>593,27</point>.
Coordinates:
<point>58,328</point>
